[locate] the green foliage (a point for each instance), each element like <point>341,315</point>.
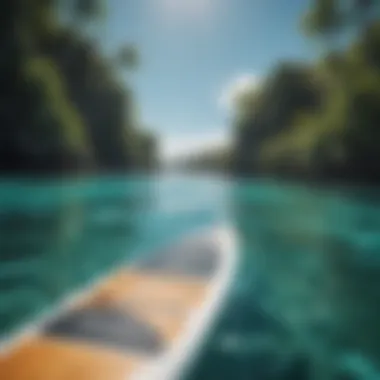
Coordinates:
<point>328,17</point>
<point>53,107</point>
<point>261,134</point>
<point>67,107</point>
<point>87,9</point>
<point>319,121</point>
<point>128,57</point>
<point>218,159</point>
<point>323,18</point>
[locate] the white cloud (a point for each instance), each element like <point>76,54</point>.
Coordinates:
<point>239,86</point>
<point>185,144</point>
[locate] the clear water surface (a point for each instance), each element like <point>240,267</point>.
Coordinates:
<point>305,304</point>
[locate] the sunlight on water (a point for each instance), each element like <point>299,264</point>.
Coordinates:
<point>304,304</point>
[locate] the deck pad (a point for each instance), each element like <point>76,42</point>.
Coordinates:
<point>108,326</point>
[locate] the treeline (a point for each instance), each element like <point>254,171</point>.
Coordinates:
<point>318,121</point>
<point>63,106</point>
<point>218,159</point>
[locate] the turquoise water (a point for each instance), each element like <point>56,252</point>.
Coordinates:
<point>304,304</point>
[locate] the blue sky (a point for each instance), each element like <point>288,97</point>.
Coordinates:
<point>193,50</point>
